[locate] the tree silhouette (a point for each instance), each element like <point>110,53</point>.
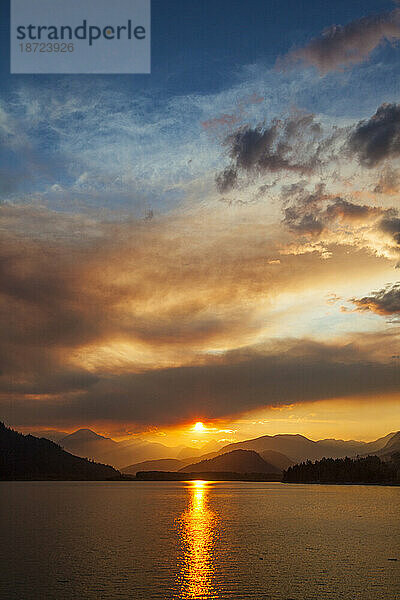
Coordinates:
<point>368,469</point>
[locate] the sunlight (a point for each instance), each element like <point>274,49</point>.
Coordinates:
<point>199,427</point>
<point>197,534</point>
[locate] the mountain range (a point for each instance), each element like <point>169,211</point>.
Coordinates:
<point>299,448</point>
<point>30,457</point>
<point>281,451</point>
<point>89,444</point>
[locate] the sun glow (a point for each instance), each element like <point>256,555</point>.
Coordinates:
<point>199,426</point>
<point>197,531</point>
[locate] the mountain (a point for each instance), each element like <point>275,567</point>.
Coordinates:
<point>29,457</point>
<point>279,460</point>
<point>237,461</point>
<point>375,446</point>
<point>206,451</point>
<point>391,447</point>
<point>298,448</point>
<point>50,434</point>
<point>132,452</point>
<point>279,450</point>
<point>163,464</point>
<point>88,444</point>
<point>295,447</point>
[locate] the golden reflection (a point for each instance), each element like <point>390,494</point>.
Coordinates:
<point>197,525</point>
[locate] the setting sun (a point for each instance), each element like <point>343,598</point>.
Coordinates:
<point>199,426</point>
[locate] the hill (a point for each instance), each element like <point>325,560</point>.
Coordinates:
<point>29,457</point>
<point>237,461</point>
<point>279,460</point>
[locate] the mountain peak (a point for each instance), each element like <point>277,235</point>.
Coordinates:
<point>237,461</point>
<point>85,434</point>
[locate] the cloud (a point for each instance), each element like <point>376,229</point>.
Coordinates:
<point>301,372</point>
<point>103,316</point>
<point>287,144</point>
<point>384,302</point>
<point>391,225</point>
<point>342,46</point>
<point>226,180</point>
<point>377,138</point>
<point>323,219</point>
<point>388,183</point>
<point>78,293</point>
<point>314,212</point>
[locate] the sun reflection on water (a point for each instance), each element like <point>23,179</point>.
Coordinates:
<point>197,531</point>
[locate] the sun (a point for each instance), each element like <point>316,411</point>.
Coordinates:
<point>199,426</point>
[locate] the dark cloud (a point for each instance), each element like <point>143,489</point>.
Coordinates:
<point>302,222</point>
<point>391,225</point>
<point>377,138</point>
<point>383,302</point>
<point>304,372</point>
<point>317,213</point>
<point>287,144</point>
<point>314,212</point>
<point>304,214</point>
<point>343,209</point>
<point>226,180</point>
<point>341,46</point>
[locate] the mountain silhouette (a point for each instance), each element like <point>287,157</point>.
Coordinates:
<point>50,434</point>
<point>237,461</point>
<point>299,448</point>
<point>279,460</point>
<point>89,444</point>
<point>392,447</point>
<point>281,451</point>
<point>29,457</point>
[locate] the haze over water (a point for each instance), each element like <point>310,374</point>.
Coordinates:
<point>198,540</point>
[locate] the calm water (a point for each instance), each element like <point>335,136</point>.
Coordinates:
<point>196,540</point>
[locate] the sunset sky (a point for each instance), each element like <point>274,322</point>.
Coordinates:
<point>215,242</point>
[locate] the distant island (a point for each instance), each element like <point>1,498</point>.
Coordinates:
<point>363,470</point>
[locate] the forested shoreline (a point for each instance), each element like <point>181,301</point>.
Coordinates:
<point>368,469</point>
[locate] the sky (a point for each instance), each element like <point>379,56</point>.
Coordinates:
<point>217,241</point>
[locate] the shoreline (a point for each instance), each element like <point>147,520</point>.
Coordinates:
<point>199,478</point>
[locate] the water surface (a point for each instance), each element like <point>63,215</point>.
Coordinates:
<point>198,541</point>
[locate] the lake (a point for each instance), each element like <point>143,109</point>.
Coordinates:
<point>198,540</point>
